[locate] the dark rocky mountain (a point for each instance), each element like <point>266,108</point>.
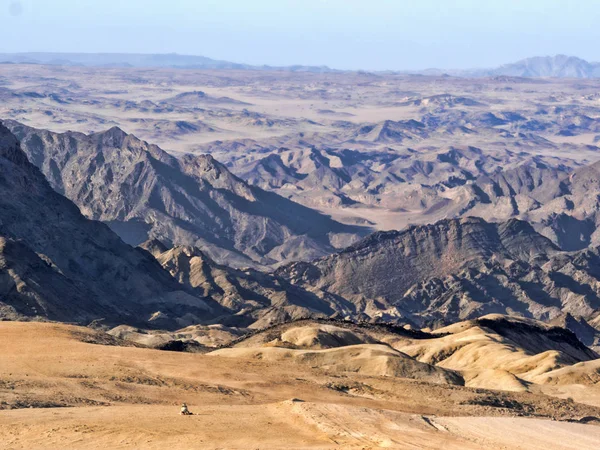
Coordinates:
<point>457,269</point>
<point>249,297</point>
<point>585,332</point>
<point>144,193</point>
<point>562,205</point>
<point>56,264</point>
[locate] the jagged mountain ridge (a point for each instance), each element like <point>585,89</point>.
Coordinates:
<point>250,297</point>
<point>454,270</point>
<point>561,204</point>
<point>56,264</point>
<point>386,178</point>
<point>144,193</point>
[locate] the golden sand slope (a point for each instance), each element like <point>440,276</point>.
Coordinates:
<point>365,359</point>
<point>509,361</point>
<point>128,397</point>
<point>208,335</point>
<point>494,352</point>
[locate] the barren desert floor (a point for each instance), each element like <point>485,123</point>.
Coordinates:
<point>76,389</point>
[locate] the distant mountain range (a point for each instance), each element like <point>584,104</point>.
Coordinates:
<point>169,60</point>
<point>560,66</point>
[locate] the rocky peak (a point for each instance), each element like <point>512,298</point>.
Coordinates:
<point>113,137</point>
<point>384,266</point>
<point>10,148</point>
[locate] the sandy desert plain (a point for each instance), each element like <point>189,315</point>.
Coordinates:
<point>375,152</point>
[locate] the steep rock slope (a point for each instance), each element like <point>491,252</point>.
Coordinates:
<point>561,205</point>
<point>143,192</point>
<point>456,269</point>
<point>249,297</point>
<point>56,264</point>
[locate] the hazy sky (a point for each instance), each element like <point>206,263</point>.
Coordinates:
<point>345,34</point>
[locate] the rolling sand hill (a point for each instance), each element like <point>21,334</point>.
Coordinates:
<point>70,387</point>
<point>491,352</point>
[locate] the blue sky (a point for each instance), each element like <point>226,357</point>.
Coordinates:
<point>345,34</point>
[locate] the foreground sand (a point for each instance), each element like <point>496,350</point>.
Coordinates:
<point>281,425</point>
<point>59,392</point>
